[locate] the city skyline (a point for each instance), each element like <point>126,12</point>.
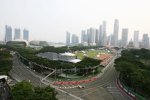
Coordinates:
<point>57,17</point>
<point>15,34</point>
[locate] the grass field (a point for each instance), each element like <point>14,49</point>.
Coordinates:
<point>89,53</point>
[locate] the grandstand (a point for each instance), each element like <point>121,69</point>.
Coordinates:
<point>104,58</point>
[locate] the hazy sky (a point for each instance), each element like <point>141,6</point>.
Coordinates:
<point>50,19</point>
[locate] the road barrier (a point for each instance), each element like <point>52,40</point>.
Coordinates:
<point>75,82</point>
<point>129,92</point>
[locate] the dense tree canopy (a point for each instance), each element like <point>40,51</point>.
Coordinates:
<point>134,68</point>
<point>30,54</point>
<point>25,91</point>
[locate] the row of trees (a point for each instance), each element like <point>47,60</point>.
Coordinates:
<point>5,60</point>
<point>30,54</point>
<point>134,68</point>
<point>82,67</point>
<point>25,91</point>
<point>65,49</point>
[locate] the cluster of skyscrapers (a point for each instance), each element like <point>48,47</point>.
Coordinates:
<point>93,36</point>
<point>71,41</point>
<point>17,34</point>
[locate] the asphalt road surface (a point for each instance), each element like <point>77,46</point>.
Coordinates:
<point>21,72</point>
<point>104,88</point>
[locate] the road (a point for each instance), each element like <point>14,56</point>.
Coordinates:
<point>104,88</point>
<point>21,72</point>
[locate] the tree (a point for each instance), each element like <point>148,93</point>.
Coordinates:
<point>134,72</point>
<point>25,91</point>
<point>5,61</point>
<point>22,91</point>
<point>47,93</point>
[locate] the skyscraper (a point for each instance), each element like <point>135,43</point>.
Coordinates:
<point>124,37</point>
<point>26,35</point>
<point>67,38</point>
<point>115,34</point>
<point>145,41</point>
<point>75,39</point>
<point>17,34</point>
<point>8,33</point>
<point>136,39</point>
<point>100,36</point>
<point>83,37</point>
<point>104,33</point>
<point>91,36</point>
<point>96,37</point>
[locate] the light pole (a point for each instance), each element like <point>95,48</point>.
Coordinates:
<point>55,73</point>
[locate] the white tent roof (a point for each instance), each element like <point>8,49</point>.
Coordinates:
<point>67,54</point>
<point>74,60</point>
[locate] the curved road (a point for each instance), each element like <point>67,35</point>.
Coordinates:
<point>104,88</point>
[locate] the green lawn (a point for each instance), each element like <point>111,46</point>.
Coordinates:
<point>89,53</point>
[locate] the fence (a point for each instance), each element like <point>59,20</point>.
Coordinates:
<point>131,92</point>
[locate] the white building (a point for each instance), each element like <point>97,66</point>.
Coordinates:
<point>100,36</point>
<point>136,39</point>
<point>145,41</point>
<point>124,37</point>
<point>83,37</point>
<point>17,34</point>
<point>115,34</point>
<point>26,35</point>
<point>75,39</point>
<point>104,33</point>
<point>91,36</point>
<point>67,38</point>
<point>8,33</point>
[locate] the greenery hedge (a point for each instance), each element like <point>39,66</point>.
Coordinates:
<point>30,54</point>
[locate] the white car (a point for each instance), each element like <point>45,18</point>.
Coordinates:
<point>80,87</point>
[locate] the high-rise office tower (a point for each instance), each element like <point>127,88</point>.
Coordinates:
<point>136,39</point>
<point>17,34</point>
<point>111,40</point>
<point>124,37</point>
<point>104,33</point>
<point>8,33</point>
<point>67,38</point>
<point>75,39</point>
<point>91,36</point>
<point>96,37</point>
<point>26,35</point>
<point>100,35</point>
<point>88,36</point>
<point>115,34</point>
<point>145,41</point>
<point>83,36</point>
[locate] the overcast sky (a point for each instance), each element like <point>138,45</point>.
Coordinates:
<point>50,19</point>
